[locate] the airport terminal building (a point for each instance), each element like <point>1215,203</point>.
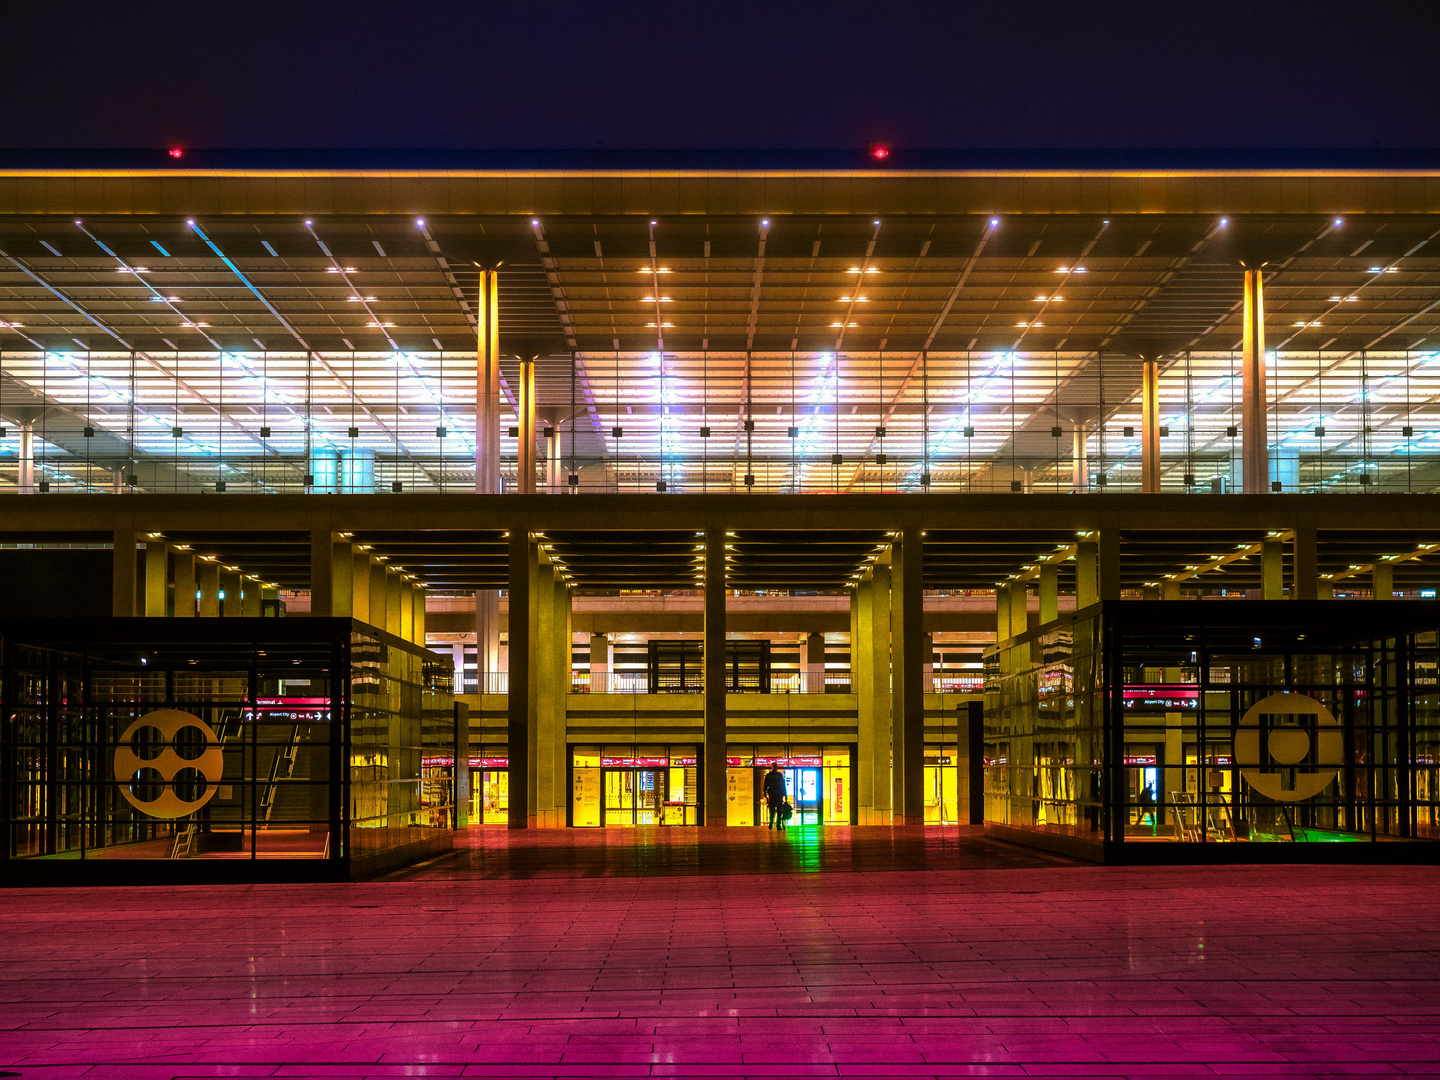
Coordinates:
<point>348,501</point>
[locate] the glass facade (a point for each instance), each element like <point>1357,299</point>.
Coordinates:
<point>819,780</point>
<point>620,785</point>
<point>221,741</point>
<point>1228,723</point>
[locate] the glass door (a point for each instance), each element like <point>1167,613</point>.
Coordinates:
<point>803,787</point>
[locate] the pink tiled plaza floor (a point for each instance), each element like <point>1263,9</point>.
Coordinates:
<point>849,952</point>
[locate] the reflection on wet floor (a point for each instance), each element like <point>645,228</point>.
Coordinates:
<point>492,852</point>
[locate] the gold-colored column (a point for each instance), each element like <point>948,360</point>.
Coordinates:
<point>525,457</point>
<point>127,566</point>
<point>1382,581</point>
<point>157,578</point>
<point>1150,425</point>
<point>1254,417</point>
<point>713,667</point>
<point>182,591</point>
<point>207,583</point>
<point>1272,570</point>
<point>487,386</point>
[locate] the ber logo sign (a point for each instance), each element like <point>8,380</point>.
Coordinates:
<point>169,763</point>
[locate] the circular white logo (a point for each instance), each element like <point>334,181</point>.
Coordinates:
<point>169,763</point>
<point>1288,747</point>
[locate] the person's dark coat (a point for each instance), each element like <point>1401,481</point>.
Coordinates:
<point>774,788</point>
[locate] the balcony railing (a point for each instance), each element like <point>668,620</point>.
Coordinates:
<point>788,682</point>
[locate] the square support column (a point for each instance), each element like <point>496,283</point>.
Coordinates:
<point>870,677</point>
<point>157,579</point>
<point>127,567</point>
<point>322,583</point>
<point>1306,564</point>
<point>417,617</point>
<point>714,668</point>
<point>487,385</point>
<point>379,595</point>
<point>393,600</point>
<point>230,586</point>
<point>1019,609</point>
<point>182,589</point>
<point>1087,573</point>
<point>207,583</point>
<point>342,572</point>
<point>518,698</point>
<point>1107,564</point>
<point>1382,581</point>
<point>407,611</point>
<point>1254,414</point>
<point>1272,570</point>
<point>599,664</point>
<point>250,598</point>
<point>549,700</point>
<point>1150,426</point>
<point>525,402</point>
<point>360,586</point>
<point>1049,588</point>
<point>907,731</point>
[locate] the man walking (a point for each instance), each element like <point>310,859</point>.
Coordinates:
<point>774,794</point>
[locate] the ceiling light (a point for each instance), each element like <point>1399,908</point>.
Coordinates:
<point>377,325</point>
<point>361,299</point>
<point>132,269</point>
<point>1037,322</point>
<point>854,299</point>
<point>653,300</point>
<point>836,324</point>
<point>1303,323</point>
<point>867,270</point>
<point>1070,270</point>
<point>1048,299</point>
<point>1348,299</point>
<point>10,325</point>
<point>165,299</point>
<point>340,269</point>
<point>662,326</point>
<point>1384,270</point>
<point>193,325</point>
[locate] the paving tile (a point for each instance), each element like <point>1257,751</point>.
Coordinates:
<point>720,953</point>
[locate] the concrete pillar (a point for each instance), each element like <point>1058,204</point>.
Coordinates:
<point>207,583</point>
<point>230,586</point>
<point>1254,415</point>
<point>360,586</point>
<point>1306,564</point>
<point>599,664</point>
<point>1002,613</point>
<point>182,589</point>
<point>1107,564</point>
<point>525,457</point>
<point>1170,590</point>
<point>927,666</point>
<point>518,699</point>
<point>322,585</point>
<point>907,731</point>
<point>812,662</point>
<point>554,473</point>
<point>714,676</point>
<point>1049,588</point>
<point>1325,589</point>
<point>250,598</point>
<point>25,477</point>
<point>1150,425</point>
<point>406,620</point>
<point>1382,581</point>
<point>487,385</point>
<point>417,618</point>
<point>126,563</point>
<point>549,700</point>
<point>487,631</point>
<point>157,579</point>
<point>1079,466</point>
<point>342,572</point>
<point>1087,573</point>
<point>379,595</point>
<point>1019,608</point>
<point>1272,570</point>
<point>870,677</point>
<point>393,598</point>
<point>457,654</point>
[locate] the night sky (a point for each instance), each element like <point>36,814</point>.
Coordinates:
<point>523,75</point>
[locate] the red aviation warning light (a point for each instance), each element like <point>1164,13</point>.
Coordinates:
<point>879,151</point>
<point>176,152</point>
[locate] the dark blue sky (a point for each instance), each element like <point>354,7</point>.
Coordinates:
<point>412,73</point>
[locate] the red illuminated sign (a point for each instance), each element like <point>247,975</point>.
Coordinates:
<point>635,762</point>
<point>1170,698</point>
<point>800,761</point>
<point>293,708</point>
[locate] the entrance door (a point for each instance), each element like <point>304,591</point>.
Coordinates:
<point>649,797</point>
<point>803,787</point>
<point>495,797</point>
